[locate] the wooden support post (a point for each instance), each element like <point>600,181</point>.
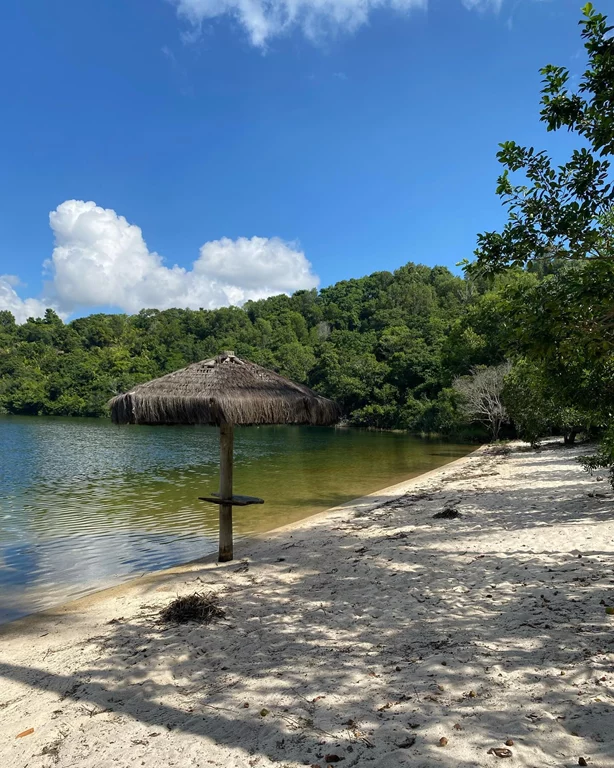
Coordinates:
<point>226,456</point>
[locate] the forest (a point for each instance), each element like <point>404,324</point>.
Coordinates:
<point>521,343</point>
<point>391,348</point>
<point>387,347</point>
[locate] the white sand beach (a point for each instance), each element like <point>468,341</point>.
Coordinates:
<point>371,635</point>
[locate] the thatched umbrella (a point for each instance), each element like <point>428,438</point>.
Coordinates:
<point>223,391</point>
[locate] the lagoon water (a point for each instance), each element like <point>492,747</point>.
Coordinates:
<point>86,504</point>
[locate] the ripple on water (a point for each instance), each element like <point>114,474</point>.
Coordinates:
<point>86,504</point>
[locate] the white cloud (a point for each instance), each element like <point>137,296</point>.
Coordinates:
<point>266,19</point>
<point>483,5</point>
<point>22,309</point>
<point>100,259</point>
<point>258,266</point>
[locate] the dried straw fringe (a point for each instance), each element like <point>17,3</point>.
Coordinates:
<point>223,390</point>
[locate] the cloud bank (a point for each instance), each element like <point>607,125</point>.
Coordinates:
<point>263,20</point>
<point>100,259</point>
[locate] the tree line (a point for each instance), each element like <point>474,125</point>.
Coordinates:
<point>419,349</point>
<point>384,346</point>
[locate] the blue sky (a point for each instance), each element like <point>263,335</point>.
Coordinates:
<point>299,146</point>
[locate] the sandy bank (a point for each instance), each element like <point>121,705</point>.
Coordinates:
<point>368,633</point>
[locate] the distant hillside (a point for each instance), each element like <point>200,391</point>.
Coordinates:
<point>380,345</point>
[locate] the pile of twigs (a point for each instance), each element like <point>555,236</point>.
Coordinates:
<point>199,607</point>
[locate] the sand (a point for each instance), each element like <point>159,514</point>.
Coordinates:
<point>363,636</point>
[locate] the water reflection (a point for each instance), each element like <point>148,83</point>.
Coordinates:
<point>84,503</point>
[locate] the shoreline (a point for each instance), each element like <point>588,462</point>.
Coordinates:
<point>87,601</point>
<point>381,631</point>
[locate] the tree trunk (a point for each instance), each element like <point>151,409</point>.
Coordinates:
<point>226,456</point>
<point>569,438</point>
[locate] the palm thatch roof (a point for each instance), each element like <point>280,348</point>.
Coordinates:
<point>223,390</point>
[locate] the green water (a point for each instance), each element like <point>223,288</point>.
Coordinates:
<point>85,504</point>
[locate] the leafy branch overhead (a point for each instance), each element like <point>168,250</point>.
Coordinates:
<point>562,211</point>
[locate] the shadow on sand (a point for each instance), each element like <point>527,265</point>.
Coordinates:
<point>368,636</point>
